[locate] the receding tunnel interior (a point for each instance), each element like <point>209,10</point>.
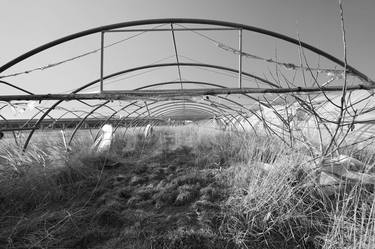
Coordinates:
<point>206,75</point>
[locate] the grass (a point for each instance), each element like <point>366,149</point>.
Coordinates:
<point>183,187</point>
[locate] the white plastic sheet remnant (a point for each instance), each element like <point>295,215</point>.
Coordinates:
<point>148,130</point>
<point>346,168</point>
<point>20,107</point>
<point>103,143</point>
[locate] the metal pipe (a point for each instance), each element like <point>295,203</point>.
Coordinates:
<point>169,105</point>
<point>163,108</point>
<point>240,58</point>
<point>170,94</point>
<point>101,60</point>
<point>111,116</point>
<point>16,87</point>
<point>183,20</point>
<point>176,55</point>
<point>166,29</point>
<point>173,104</point>
<point>83,120</point>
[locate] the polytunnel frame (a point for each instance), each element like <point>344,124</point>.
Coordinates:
<point>171,106</point>
<point>185,21</point>
<point>166,106</point>
<point>196,83</point>
<point>147,67</point>
<point>152,85</point>
<point>171,21</point>
<point>203,83</point>
<point>144,87</point>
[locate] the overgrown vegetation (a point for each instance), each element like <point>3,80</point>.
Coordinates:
<point>180,188</point>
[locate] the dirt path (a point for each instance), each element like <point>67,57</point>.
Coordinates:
<point>152,196</point>
<point>164,197</point>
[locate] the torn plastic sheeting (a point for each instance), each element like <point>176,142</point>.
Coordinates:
<point>103,143</point>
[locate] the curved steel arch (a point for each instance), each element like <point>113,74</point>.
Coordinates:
<point>174,64</point>
<point>83,120</point>
<point>167,112</point>
<point>113,114</point>
<point>164,109</point>
<point>15,87</point>
<point>162,83</point>
<point>182,102</point>
<point>200,83</point>
<point>167,21</point>
<point>223,114</point>
<point>140,88</point>
<point>165,105</point>
<point>242,106</point>
<point>209,84</point>
<point>144,87</point>
<point>186,64</point>
<point>190,102</point>
<point>195,110</point>
<point>110,76</point>
<point>183,20</point>
<point>104,104</point>
<point>130,113</point>
<point>178,109</point>
<point>135,121</point>
<point>239,113</point>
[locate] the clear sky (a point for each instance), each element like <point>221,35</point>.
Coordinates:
<point>27,24</point>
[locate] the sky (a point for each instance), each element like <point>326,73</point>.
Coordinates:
<point>28,24</point>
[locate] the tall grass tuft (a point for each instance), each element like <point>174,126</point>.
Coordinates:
<point>182,187</point>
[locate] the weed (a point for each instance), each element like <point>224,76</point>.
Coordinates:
<point>193,190</point>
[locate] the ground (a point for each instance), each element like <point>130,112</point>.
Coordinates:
<point>175,189</point>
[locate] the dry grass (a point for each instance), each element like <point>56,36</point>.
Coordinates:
<point>181,188</point>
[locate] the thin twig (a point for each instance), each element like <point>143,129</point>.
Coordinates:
<point>343,102</point>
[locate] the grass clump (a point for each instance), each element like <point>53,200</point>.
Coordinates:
<point>192,190</point>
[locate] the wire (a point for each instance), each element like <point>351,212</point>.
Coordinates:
<point>116,79</point>
<point>234,75</point>
<point>75,57</point>
<point>335,73</point>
